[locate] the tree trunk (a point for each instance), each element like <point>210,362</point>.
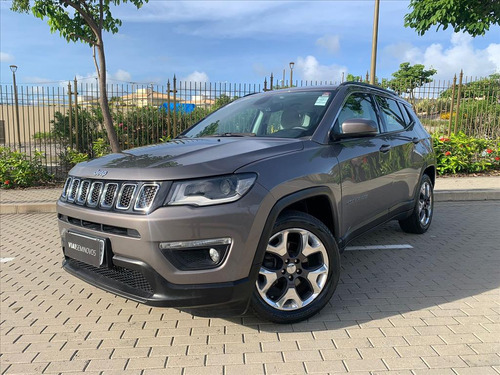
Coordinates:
<point>103,100</point>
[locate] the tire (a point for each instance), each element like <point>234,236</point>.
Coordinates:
<point>300,270</point>
<point>421,217</point>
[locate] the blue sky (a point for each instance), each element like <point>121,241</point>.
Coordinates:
<point>242,41</point>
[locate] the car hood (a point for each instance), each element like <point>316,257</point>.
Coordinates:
<point>185,158</point>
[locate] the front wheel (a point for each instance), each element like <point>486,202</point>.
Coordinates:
<point>420,219</point>
<point>300,270</point>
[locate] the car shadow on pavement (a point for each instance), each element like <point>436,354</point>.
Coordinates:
<point>454,266</point>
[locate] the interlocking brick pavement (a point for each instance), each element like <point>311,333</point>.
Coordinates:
<point>433,309</point>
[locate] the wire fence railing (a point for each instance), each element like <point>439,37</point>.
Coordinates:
<point>55,119</point>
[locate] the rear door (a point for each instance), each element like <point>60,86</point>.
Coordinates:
<point>364,179</point>
<point>404,163</point>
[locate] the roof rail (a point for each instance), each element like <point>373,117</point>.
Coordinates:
<point>364,84</point>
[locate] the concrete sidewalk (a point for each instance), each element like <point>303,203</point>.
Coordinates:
<point>447,189</point>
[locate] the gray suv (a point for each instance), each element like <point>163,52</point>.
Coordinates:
<point>251,206</point>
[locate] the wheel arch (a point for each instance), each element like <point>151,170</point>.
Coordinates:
<point>431,172</point>
<point>308,201</point>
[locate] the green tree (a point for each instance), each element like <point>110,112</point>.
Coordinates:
<point>472,16</point>
<point>83,21</point>
<point>352,78</point>
<point>408,78</point>
<point>486,88</point>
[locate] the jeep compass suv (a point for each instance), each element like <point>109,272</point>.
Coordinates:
<point>252,205</point>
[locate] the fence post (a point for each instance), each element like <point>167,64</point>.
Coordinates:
<point>175,109</point>
<point>452,104</point>
<point>458,100</point>
<point>76,114</point>
<point>16,99</point>
<point>70,114</point>
<point>169,128</point>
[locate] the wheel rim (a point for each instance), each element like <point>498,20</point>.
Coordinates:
<point>294,270</point>
<point>425,204</point>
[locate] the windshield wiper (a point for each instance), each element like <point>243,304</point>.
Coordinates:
<point>233,135</point>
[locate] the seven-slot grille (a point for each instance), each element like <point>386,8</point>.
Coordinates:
<point>125,196</point>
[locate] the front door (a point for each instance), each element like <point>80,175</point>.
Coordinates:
<point>363,169</point>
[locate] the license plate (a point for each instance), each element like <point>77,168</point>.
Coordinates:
<point>87,249</point>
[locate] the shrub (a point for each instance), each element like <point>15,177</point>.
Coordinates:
<point>463,154</point>
<point>42,135</point>
<point>89,127</point>
<point>17,170</point>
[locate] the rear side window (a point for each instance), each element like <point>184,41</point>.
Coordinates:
<point>406,116</point>
<point>391,114</point>
<point>356,106</point>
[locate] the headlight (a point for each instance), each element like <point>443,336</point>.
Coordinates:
<point>210,191</point>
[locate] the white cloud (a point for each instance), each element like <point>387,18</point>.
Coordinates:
<point>197,77</point>
<point>254,19</point>
<point>449,61</point>
<point>121,75</point>
<point>6,57</point>
<point>329,42</point>
<point>310,69</point>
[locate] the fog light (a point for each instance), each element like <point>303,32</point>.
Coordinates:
<point>200,254</point>
<point>214,255</point>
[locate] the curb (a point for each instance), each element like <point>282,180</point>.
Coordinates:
<point>440,196</point>
<point>466,195</point>
<point>28,208</point>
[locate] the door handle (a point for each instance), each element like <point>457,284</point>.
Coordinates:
<point>385,148</point>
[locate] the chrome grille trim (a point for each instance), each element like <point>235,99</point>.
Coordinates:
<point>132,197</point>
<point>65,191</point>
<point>83,192</point>
<point>125,196</point>
<point>146,197</point>
<point>108,195</point>
<point>73,190</point>
<point>94,194</point>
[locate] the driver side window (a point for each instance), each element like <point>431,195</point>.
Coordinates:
<point>357,105</point>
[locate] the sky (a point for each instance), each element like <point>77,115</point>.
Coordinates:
<point>242,42</point>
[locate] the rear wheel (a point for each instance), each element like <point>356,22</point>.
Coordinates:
<point>300,270</point>
<point>420,219</point>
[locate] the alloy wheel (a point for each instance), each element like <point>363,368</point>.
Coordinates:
<point>294,270</point>
<point>425,204</point>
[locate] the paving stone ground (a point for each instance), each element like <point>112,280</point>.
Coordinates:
<point>432,309</point>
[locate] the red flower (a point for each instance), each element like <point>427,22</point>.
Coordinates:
<point>444,139</point>
<point>7,182</point>
<point>489,151</point>
<point>497,158</point>
<point>447,153</point>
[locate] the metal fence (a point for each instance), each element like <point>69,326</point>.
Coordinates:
<point>55,119</point>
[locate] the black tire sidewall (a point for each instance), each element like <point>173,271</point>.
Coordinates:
<point>295,219</point>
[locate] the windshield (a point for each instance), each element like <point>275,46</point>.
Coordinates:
<point>280,114</point>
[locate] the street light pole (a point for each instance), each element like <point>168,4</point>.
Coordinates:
<point>374,42</point>
<point>13,68</point>
<point>291,73</point>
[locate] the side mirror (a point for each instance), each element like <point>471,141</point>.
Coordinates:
<point>357,127</point>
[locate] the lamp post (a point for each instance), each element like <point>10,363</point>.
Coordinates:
<point>374,42</point>
<point>13,68</point>
<point>291,73</point>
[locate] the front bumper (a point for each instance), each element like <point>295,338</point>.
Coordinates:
<point>137,269</point>
<point>139,282</point>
